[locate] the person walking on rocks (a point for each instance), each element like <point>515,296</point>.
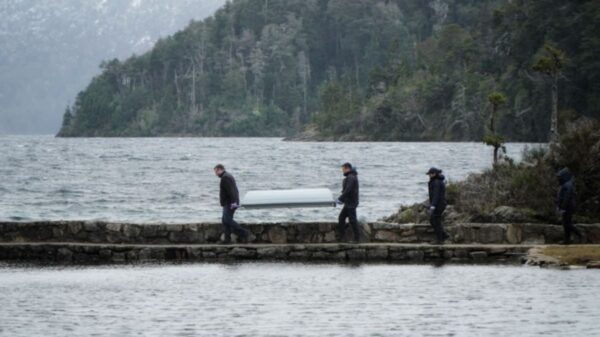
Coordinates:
<point>229,197</point>
<point>349,198</point>
<point>437,203</point>
<point>565,203</point>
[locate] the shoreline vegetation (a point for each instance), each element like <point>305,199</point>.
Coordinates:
<point>356,70</point>
<point>525,192</point>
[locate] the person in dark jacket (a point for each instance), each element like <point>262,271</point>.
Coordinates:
<point>437,203</point>
<point>349,198</point>
<point>565,203</point>
<point>229,197</point>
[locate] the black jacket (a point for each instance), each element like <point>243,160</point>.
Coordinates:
<point>229,193</point>
<point>349,194</point>
<point>437,193</point>
<point>566,193</point>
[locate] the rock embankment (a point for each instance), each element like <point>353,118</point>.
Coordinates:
<point>91,241</point>
<point>380,252</point>
<point>281,233</point>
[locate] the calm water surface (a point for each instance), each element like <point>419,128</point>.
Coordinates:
<point>267,299</point>
<point>171,179</point>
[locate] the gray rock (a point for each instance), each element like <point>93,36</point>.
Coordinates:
<point>386,236</point>
<point>118,257</point>
<point>64,254</point>
<point>149,231</point>
<point>378,253</point>
<point>329,237</point>
<point>461,253</point>
<point>356,254</point>
<point>326,227</point>
<point>105,253</point>
<point>113,227</point>
<point>385,225</point>
<point>415,255</point>
<point>593,265</point>
<point>90,227</point>
<point>75,227</point>
<point>302,254</point>
<point>132,255</point>
<point>397,254</point>
<point>409,239</point>
<point>493,233</point>
<point>175,228</point>
<point>132,231</point>
<point>478,255</point>
<point>183,237</point>
<point>277,235</point>
<point>272,252</point>
<point>58,233</point>
<point>553,234</point>
<point>366,231</point>
<point>506,214</point>
<point>321,255</point>
<point>497,251</point>
<point>514,233</point>
<point>145,254</point>
<point>339,255</point>
<point>212,233</point>
<point>239,252</point>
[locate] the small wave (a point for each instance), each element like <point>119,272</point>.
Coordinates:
<point>17,218</point>
<point>177,195</point>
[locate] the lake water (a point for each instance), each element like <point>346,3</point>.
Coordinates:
<point>171,179</point>
<point>270,299</point>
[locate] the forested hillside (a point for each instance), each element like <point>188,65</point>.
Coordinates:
<point>354,69</point>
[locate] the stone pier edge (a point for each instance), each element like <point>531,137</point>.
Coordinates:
<point>105,242</point>
<point>367,252</point>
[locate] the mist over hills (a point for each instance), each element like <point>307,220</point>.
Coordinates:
<point>50,50</point>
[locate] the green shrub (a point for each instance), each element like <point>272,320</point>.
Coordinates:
<point>532,184</point>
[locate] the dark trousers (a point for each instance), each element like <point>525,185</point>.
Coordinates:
<point>438,228</point>
<point>350,214</point>
<point>569,227</point>
<point>229,225</point>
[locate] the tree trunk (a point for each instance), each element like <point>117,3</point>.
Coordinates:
<point>554,118</point>
<point>496,154</point>
<point>492,126</point>
<point>177,89</point>
<point>193,92</point>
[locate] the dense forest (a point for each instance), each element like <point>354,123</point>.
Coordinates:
<point>356,70</point>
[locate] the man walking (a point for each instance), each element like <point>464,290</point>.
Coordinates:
<point>230,201</point>
<point>349,198</point>
<point>565,203</point>
<point>437,203</point>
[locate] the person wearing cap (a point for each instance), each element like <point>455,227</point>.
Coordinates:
<point>565,203</point>
<point>437,203</point>
<point>229,198</point>
<point>349,198</point>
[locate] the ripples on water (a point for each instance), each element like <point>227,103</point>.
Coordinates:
<point>171,179</point>
<point>268,299</point>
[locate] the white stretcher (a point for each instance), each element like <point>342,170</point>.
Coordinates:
<point>314,197</point>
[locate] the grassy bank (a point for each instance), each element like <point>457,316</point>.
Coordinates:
<point>573,255</point>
